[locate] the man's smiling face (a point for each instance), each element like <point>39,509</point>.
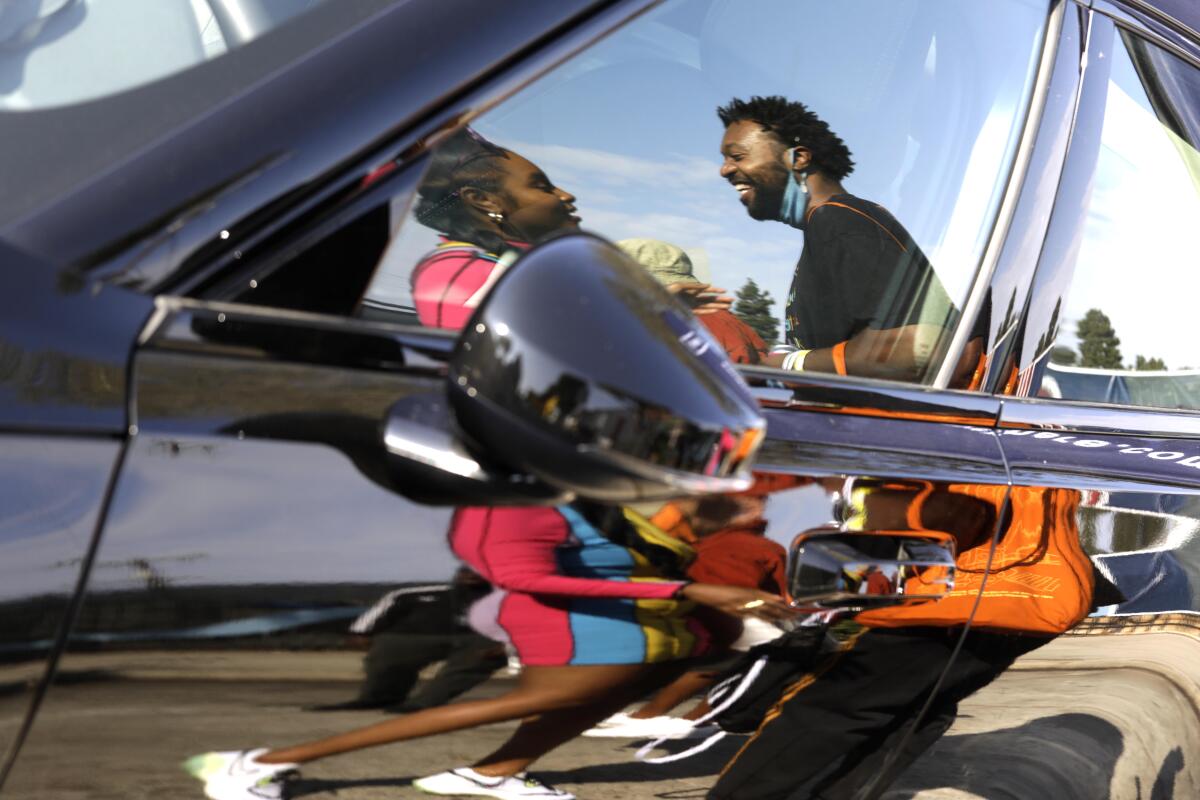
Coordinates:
<point>753,163</point>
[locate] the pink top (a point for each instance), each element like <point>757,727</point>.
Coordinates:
<point>449,283</point>
<point>517,549</point>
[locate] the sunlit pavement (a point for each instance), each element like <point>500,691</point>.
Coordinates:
<point>135,716</point>
<point>108,708</point>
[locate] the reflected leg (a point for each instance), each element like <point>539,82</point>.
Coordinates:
<point>984,657</point>
<point>539,735</point>
<point>541,690</point>
<point>678,691</point>
<point>813,744</point>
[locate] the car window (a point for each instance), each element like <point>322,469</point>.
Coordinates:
<point>831,169</point>
<point>1122,333</point>
<point>328,271</point>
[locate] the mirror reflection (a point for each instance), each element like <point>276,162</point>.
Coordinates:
<point>832,570</point>
<point>273,635</point>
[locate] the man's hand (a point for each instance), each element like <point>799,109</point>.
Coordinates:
<point>740,602</point>
<point>702,298</point>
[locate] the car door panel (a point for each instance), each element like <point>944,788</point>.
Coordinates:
<point>52,493</point>
<point>63,417</point>
<point>69,377</point>
<point>249,520</point>
<point>254,521</point>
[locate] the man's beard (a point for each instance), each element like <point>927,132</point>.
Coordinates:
<point>768,197</point>
<point>765,205</point>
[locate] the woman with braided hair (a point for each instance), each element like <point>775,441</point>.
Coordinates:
<point>489,204</point>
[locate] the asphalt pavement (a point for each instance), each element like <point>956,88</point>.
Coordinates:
<point>1066,722</point>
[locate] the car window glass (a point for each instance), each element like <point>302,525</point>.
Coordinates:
<point>1123,331</point>
<point>846,232</point>
<point>59,52</point>
<point>329,275</point>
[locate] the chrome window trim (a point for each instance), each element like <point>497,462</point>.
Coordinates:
<point>1080,417</point>
<point>1125,20</point>
<point>831,394</point>
<point>166,306</point>
<point>1012,193</point>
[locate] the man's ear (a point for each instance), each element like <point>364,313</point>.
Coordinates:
<point>803,159</point>
<point>479,200</point>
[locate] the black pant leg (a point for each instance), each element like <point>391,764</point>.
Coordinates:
<point>867,772</point>
<point>877,766</point>
<point>821,729</point>
<point>470,661</point>
<point>394,663</point>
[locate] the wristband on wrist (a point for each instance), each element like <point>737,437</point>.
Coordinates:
<point>839,358</point>
<point>795,360</point>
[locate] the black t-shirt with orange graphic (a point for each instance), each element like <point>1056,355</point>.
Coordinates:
<point>859,269</point>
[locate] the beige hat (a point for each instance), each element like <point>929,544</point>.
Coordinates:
<point>666,262</point>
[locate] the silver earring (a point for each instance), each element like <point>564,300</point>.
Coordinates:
<point>804,181</point>
<point>496,215</point>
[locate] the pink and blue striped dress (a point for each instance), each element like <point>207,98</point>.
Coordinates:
<point>569,595</point>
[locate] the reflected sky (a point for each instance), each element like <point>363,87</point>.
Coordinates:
<point>252,512</point>
<point>1137,257</point>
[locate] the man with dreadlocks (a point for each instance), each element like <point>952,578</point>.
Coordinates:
<point>864,300</point>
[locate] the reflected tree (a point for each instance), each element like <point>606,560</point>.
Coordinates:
<point>1048,337</point>
<point>1152,363</point>
<point>753,307</point>
<point>1061,354</point>
<point>1098,342</point>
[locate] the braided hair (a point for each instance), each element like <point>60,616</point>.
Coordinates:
<point>464,160</point>
<point>795,125</point>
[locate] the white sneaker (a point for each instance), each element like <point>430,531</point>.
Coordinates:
<point>236,775</point>
<point>623,726</point>
<point>466,781</point>
<point>616,720</point>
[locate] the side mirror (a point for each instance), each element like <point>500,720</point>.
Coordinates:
<point>579,375</point>
<point>830,569</point>
<point>433,465</point>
